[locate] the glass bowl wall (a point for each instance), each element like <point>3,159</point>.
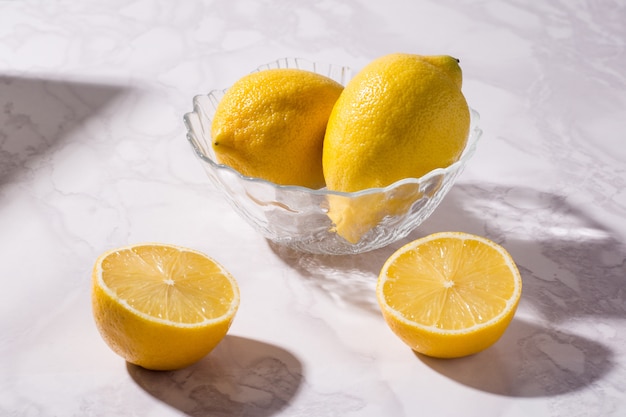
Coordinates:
<point>298,217</point>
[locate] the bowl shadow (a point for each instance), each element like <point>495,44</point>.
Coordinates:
<point>240,377</point>
<point>529,361</point>
<point>349,279</point>
<point>572,266</point>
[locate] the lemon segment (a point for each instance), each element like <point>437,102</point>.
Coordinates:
<point>160,306</point>
<point>450,294</point>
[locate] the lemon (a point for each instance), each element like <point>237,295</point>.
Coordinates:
<point>270,124</point>
<point>354,216</point>
<point>161,306</point>
<point>450,294</point>
<point>401,116</point>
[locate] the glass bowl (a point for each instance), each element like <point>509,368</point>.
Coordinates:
<point>300,217</point>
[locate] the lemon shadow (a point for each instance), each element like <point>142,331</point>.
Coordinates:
<point>240,377</point>
<point>572,268</point>
<point>529,361</point>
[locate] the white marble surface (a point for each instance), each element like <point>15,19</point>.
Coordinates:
<point>93,155</point>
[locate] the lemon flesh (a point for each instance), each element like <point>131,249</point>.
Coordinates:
<point>160,306</point>
<point>450,294</point>
<point>401,116</point>
<point>270,124</point>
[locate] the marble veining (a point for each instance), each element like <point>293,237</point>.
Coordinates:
<point>93,155</point>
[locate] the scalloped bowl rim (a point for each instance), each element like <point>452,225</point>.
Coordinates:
<point>472,141</point>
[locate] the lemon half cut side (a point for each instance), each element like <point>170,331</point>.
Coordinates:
<point>450,294</point>
<point>160,306</point>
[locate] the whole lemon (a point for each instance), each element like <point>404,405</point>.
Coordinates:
<point>270,124</point>
<point>401,116</point>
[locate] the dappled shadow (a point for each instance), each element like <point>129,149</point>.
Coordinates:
<point>349,279</point>
<point>573,267</point>
<point>571,264</point>
<point>37,114</point>
<point>240,377</point>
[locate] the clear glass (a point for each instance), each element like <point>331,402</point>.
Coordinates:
<point>298,217</point>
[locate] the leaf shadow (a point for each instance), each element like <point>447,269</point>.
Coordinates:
<point>240,377</point>
<point>37,114</point>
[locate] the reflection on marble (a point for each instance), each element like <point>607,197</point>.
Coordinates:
<point>93,155</point>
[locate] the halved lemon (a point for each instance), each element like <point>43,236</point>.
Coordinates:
<point>450,294</point>
<point>161,306</point>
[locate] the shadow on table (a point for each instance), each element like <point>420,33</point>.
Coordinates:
<point>240,377</point>
<point>349,279</point>
<point>530,361</point>
<point>38,114</point>
<point>572,266</point>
